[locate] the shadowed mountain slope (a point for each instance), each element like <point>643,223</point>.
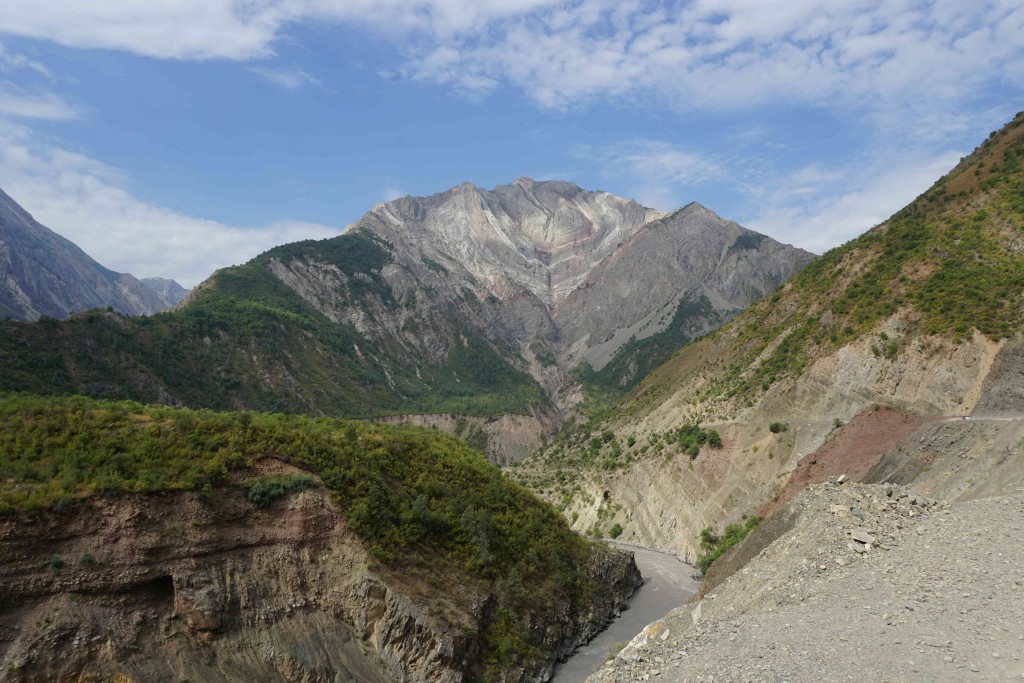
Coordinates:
<point>42,273</point>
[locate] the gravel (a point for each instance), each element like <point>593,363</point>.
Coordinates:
<point>873,583</point>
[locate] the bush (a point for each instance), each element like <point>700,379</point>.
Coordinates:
<point>265,490</point>
<point>615,531</point>
<point>714,545</point>
<point>777,427</point>
<point>55,563</point>
<point>420,501</point>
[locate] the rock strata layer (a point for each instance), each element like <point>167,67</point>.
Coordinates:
<point>185,587</point>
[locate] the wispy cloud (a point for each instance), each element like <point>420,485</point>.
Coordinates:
<point>89,203</point>
<point>660,174</point>
<point>818,208</point>
<point>290,78</point>
<point>391,192</point>
<point>14,61</point>
<point>815,206</point>
<point>17,102</point>
<point>692,54</point>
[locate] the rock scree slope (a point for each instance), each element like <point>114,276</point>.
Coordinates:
<point>869,583</point>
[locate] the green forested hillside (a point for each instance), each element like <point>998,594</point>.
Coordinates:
<point>418,499</point>
<point>245,340</point>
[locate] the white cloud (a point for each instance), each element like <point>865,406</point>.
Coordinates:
<point>86,202</point>
<point>694,54</point>
<point>817,209</point>
<point>168,29</point>
<point>13,61</point>
<point>291,78</point>
<point>659,173</point>
<point>15,101</point>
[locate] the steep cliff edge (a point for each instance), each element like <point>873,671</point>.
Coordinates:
<point>257,547</point>
<point>185,587</point>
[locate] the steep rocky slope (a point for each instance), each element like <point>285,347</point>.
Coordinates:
<point>469,302</point>
<point>42,273</point>
<point>891,585</point>
<point>922,313</point>
<point>154,544</point>
<point>168,290</point>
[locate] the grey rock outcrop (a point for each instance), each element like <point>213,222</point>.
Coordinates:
<point>169,290</point>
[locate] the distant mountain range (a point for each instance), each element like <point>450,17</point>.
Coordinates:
<point>525,300</point>
<point>44,274</point>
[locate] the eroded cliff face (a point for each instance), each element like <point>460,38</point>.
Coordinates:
<point>182,586</point>
<point>662,499</point>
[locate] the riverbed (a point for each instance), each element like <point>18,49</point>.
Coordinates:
<point>668,583</point>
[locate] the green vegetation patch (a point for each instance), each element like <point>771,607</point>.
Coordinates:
<point>246,340</point>
<point>951,260</point>
<point>714,545</point>
<point>262,491</point>
<point>417,498</point>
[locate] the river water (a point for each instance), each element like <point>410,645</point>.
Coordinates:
<point>668,583</point>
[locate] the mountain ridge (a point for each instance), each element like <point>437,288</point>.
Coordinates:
<point>45,274</point>
<point>470,302</point>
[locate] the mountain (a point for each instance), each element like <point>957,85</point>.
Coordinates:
<point>44,274</point>
<point>168,290</point>
<point>561,275</point>
<point>857,366</point>
<point>468,302</point>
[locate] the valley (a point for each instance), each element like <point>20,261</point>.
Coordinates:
<point>256,484</point>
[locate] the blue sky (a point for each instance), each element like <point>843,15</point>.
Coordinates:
<point>175,137</point>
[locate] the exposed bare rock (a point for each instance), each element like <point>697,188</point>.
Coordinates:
<point>550,274</point>
<point>185,587</point>
<point>169,290</point>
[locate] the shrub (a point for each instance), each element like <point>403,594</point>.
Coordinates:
<point>778,427</point>
<point>265,490</point>
<point>55,563</point>
<point>615,531</point>
<point>714,545</point>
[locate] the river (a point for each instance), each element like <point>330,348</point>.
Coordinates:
<point>668,583</point>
